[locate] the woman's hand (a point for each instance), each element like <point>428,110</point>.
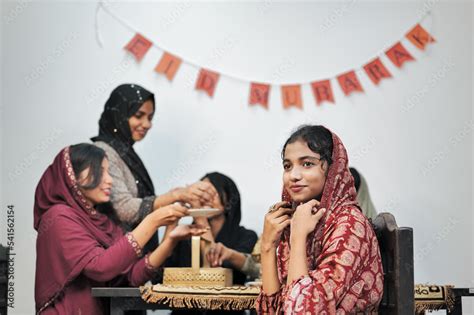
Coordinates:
<point>198,194</point>
<point>217,253</point>
<point>305,219</point>
<point>276,220</point>
<point>181,232</point>
<point>202,221</point>
<point>169,214</point>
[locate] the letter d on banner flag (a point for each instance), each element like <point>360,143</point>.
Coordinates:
<point>207,81</point>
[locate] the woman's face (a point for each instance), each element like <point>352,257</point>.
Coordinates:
<point>140,122</point>
<point>216,202</point>
<point>101,193</point>
<point>304,174</point>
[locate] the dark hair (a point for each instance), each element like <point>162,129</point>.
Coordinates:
<point>318,139</point>
<point>356,176</point>
<point>132,110</point>
<point>83,156</point>
<point>228,192</point>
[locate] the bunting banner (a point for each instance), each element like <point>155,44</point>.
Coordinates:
<point>291,95</point>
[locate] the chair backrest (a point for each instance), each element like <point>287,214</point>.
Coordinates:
<point>396,248</point>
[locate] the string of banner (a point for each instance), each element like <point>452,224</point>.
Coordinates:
<point>207,79</point>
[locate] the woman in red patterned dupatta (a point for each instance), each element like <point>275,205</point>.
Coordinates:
<point>323,257</point>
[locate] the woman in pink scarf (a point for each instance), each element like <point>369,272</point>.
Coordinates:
<point>79,243</point>
<point>323,257</point>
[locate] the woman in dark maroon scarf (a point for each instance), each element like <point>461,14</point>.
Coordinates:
<point>79,243</point>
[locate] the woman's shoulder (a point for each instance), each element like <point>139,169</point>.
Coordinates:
<point>61,210</point>
<point>247,237</point>
<point>350,213</point>
<point>58,215</point>
<point>109,150</point>
<point>247,232</point>
<point>351,220</point>
<point>106,147</point>
<point>112,155</point>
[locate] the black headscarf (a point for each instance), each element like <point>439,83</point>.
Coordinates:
<point>230,198</point>
<point>114,129</point>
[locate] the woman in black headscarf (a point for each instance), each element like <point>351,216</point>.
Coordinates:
<point>225,232</point>
<point>230,241</point>
<point>126,119</point>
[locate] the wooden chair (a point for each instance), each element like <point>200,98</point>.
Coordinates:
<point>396,248</point>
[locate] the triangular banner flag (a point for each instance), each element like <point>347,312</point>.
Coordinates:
<point>322,91</point>
<point>138,46</point>
<point>398,55</point>
<point>168,65</point>
<point>207,81</point>
<point>291,96</point>
<point>349,83</point>
<point>376,71</point>
<point>259,94</point>
<point>419,37</point>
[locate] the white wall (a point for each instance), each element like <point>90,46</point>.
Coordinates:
<point>411,137</point>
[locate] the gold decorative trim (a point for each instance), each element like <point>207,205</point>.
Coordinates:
<point>136,247</point>
<point>78,195</point>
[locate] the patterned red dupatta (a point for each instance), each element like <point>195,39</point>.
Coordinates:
<point>344,263</point>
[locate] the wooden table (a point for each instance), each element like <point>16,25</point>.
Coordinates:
<point>125,299</point>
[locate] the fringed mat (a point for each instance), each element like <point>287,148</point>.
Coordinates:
<point>433,297</point>
<point>427,297</point>
<point>197,297</point>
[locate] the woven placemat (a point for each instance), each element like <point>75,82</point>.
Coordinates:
<point>202,297</point>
